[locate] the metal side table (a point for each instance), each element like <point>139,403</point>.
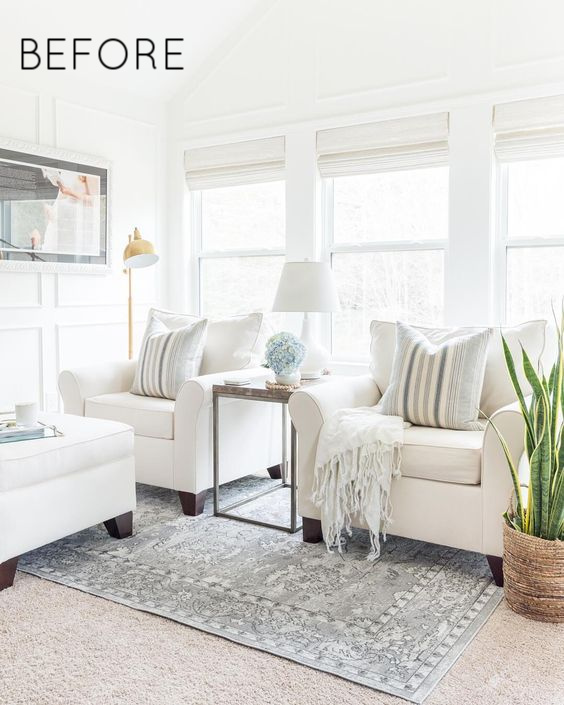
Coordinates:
<point>257,391</point>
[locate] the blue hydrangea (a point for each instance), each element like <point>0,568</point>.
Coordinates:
<point>284,353</point>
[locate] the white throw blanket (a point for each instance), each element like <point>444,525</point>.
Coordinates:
<point>358,454</point>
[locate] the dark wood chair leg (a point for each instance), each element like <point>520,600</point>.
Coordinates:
<point>496,566</point>
<point>7,572</point>
<point>120,527</point>
<point>275,471</point>
<point>192,504</point>
<point>311,530</point>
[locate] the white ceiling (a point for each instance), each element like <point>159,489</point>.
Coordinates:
<point>203,24</point>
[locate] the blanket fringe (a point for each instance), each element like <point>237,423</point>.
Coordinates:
<point>353,483</point>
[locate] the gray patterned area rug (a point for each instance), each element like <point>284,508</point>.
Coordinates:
<point>396,625</point>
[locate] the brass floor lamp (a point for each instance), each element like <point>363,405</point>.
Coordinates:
<point>138,253</point>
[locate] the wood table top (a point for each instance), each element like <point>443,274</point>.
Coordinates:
<point>258,389</point>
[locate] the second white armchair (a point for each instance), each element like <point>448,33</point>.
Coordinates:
<point>173,438</point>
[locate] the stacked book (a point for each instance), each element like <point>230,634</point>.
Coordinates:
<point>10,433</point>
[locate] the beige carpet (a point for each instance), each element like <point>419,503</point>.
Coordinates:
<point>60,646</point>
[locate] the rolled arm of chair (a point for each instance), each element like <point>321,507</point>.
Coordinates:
<point>197,392</point>
<point>497,486</point>
<point>309,409</point>
<point>81,383</point>
<point>193,427</point>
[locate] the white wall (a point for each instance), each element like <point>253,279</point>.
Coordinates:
<point>322,63</point>
<point>295,68</point>
<point>52,321</point>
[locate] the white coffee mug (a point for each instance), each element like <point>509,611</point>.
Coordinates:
<point>26,413</point>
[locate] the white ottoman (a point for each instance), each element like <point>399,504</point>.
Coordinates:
<point>54,487</point>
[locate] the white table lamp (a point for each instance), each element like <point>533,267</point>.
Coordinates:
<point>308,287</point>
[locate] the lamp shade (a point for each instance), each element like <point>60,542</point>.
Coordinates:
<point>139,253</point>
<point>306,287</point>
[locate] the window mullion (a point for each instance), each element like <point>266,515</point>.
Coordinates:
<point>500,244</point>
<point>328,203</point>
<point>225,254</point>
<point>389,246</point>
<point>328,220</point>
<point>196,211</point>
<point>534,242</point>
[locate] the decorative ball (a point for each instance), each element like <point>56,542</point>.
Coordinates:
<point>284,353</point>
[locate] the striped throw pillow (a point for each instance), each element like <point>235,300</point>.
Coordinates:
<point>437,385</point>
<point>168,358</point>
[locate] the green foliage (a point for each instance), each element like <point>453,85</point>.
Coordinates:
<point>542,512</point>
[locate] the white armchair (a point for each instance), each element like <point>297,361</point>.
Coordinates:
<point>455,485</point>
<point>173,439</point>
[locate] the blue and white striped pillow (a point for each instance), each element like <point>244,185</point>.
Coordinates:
<point>168,358</point>
<point>437,385</point>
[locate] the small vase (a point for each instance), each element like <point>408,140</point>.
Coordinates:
<point>289,378</point>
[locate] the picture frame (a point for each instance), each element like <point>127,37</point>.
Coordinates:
<point>55,210</point>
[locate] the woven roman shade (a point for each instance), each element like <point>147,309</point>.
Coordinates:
<point>404,143</point>
<point>250,162</point>
<point>529,128</point>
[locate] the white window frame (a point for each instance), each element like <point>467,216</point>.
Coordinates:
<point>199,253</point>
<point>330,248</point>
<point>503,243</point>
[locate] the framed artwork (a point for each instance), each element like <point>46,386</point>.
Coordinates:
<point>54,210</point>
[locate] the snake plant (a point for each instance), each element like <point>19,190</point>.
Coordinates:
<point>541,512</point>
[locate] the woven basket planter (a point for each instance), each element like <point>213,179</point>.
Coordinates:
<point>533,573</point>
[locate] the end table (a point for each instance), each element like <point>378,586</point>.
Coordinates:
<point>257,391</point>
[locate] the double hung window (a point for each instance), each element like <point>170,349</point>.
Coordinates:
<point>385,191</point>
<point>529,144</point>
<point>238,224</point>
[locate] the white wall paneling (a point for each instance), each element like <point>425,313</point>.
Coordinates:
<point>302,195</point>
<point>19,114</point>
<point>526,32</point>
<point>21,366</point>
<point>76,318</point>
<point>20,290</point>
<point>361,50</point>
<point>252,76</point>
<point>291,68</point>
<point>468,286</point>
<point>131,147</point>
<point>79,344</point>
<point>351,63</point>
<point>326,60</point>
<point>79,290</point>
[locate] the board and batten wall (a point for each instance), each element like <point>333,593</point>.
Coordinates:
<point>305,66</point>
<point>50,322</point>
